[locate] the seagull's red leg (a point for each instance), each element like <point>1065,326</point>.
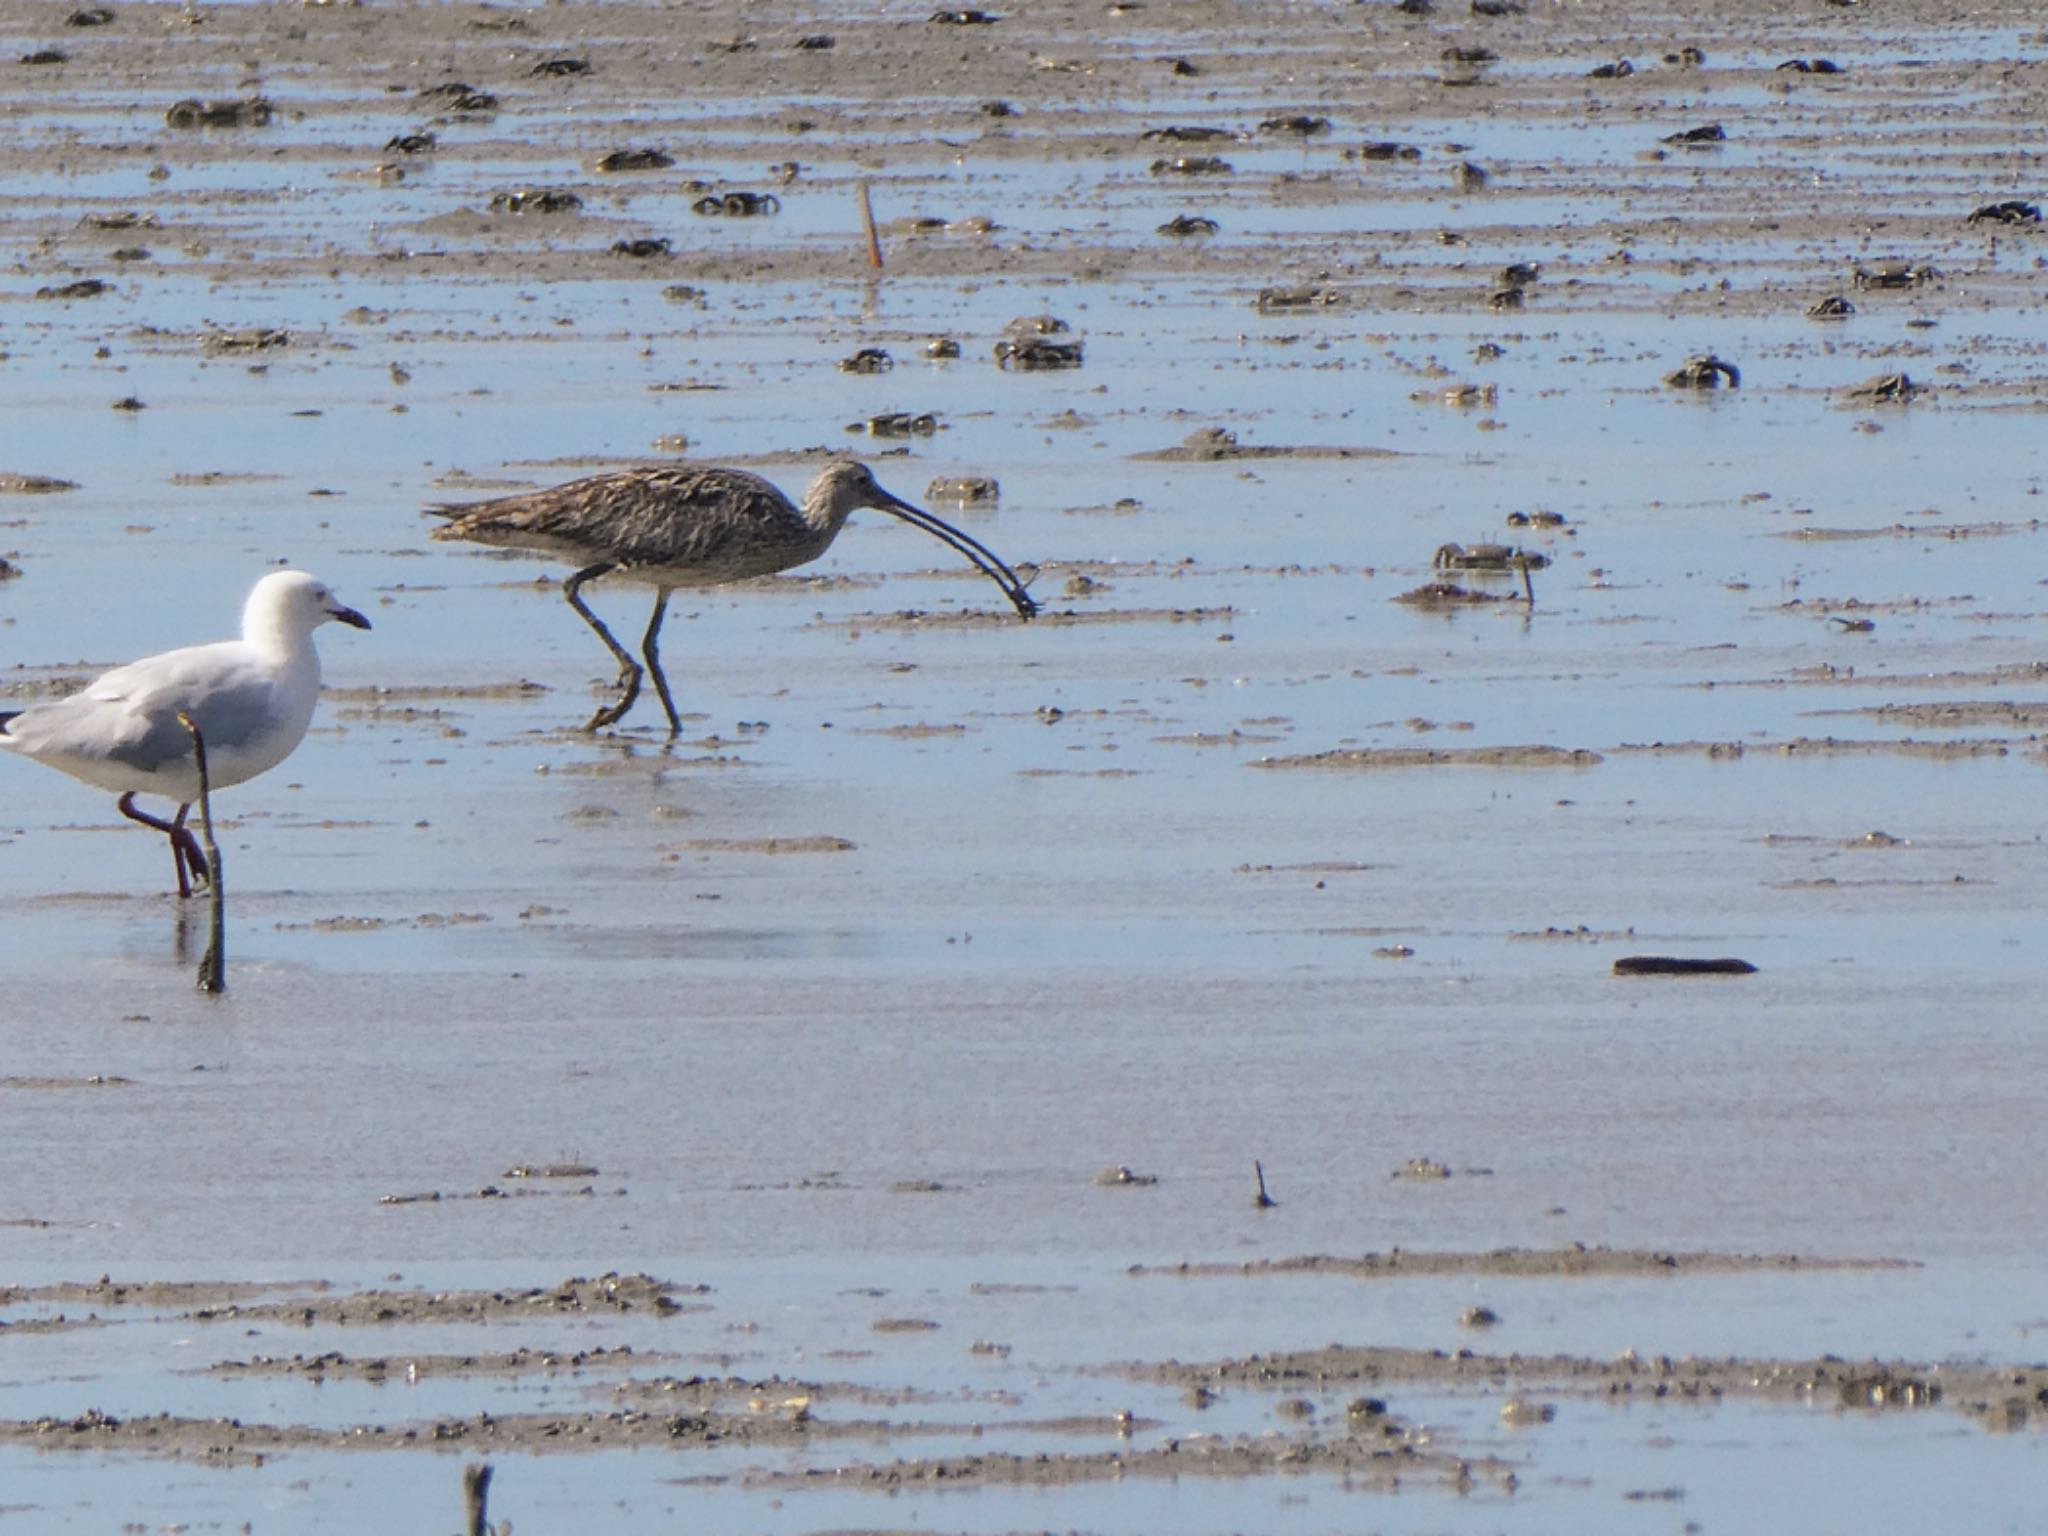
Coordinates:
<point>185,852</point>
<point>188,849</point>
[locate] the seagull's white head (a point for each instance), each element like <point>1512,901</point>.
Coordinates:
<point>293,603</point>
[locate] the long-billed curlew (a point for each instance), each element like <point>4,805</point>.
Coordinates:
<point>690,527</point>
<point>251,698</point>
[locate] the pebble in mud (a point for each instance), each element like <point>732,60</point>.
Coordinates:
<point>1519,1413</point>
<point>1478,1317</point>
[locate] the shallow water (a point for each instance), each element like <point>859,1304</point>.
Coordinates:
<point>1072,917</point>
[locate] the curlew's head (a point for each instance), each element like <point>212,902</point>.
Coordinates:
<point>847,484</point>
<point>842,488</point>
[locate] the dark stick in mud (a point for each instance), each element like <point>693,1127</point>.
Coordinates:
<point>213,965</point>
<point>476,1490</point>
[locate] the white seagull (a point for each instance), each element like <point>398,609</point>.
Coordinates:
<point>252,699</point>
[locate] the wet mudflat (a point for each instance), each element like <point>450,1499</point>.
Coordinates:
<point>889,1053</point>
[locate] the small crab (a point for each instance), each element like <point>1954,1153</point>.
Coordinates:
<point>1886,389</point>
<point>1182,225</point>
<point>1833,307</point>
<point>964,490</point>
<point>634,160</point>
<point>1895,274</point>
<point>737,205</point>
<point>1497,558</point>
<point>1702,137</point>
<point>1277,301</point>
<point>1037,354</point>
<point>867,360</point>
<point>898,424</point>
<point>2011,211</point>
<point>1300,124</point>
<point>1704,371</point>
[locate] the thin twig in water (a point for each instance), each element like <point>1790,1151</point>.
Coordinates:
<point>213,965</point>
<point>867,222</point>
<point>1262,1200</point>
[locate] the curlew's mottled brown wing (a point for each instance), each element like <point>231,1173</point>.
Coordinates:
<point>700,525</point>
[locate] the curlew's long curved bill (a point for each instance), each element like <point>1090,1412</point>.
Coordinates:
<point>983,558</point>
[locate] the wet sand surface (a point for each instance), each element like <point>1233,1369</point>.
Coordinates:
<point>888,1055</point>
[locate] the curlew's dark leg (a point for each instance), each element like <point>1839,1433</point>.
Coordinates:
<point>185,852</point>
<point>650,648</point>
<point>629,669</point>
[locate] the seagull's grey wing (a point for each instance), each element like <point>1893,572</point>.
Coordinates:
<point>130,716</point>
